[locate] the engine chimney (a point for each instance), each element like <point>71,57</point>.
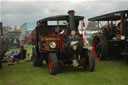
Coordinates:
<point>71,20</point>
<point>1,30</point>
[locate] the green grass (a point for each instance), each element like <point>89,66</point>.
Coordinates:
<point>106,73</point>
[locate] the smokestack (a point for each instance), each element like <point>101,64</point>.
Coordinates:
<point>71,20</point>
<point>1,30</point>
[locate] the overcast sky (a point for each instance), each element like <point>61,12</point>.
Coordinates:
<point>15,13</point>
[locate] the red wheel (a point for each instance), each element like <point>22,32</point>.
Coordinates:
<point>53,63</point>
<point>100,47</point>
<point>95,48</point>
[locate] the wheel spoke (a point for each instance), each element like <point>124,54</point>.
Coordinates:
<point>98,53</point>
<point>98,45</point>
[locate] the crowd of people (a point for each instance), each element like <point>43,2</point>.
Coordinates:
<point>14,57</point>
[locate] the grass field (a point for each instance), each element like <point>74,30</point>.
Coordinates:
<point>106,73</point>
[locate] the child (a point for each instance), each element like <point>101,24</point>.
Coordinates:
<point>29,58</point>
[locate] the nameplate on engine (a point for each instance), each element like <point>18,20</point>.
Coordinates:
<point>49,39</point>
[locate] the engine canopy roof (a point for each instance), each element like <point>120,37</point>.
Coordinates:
<point>60,17</point>
<point>110,16</point>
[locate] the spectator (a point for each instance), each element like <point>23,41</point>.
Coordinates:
<point>21,53</point>
<point>29,58</point>
<point>12,58</point>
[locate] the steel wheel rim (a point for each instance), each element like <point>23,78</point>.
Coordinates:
<point>97,48</point>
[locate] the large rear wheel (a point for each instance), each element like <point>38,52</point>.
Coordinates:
<point>37,60</point>
<point>53,63</point>
<point>100,47</point>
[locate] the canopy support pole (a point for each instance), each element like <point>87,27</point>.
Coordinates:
<point>58,32</point>
<point>121,19</point>
<point>111,25</point>
<point>108,24</point>
<point>82,28</point>
<point>98,27</point>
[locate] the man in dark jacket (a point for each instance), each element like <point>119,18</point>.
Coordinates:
<point>21,53</point>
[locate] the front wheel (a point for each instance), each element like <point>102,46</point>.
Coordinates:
<point>90,62</point>
<point>53,63</point>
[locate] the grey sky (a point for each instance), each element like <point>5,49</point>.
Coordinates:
<point>19,12</point>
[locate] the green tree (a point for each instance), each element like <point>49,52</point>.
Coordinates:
<point>6,29</point>
<point>92,26</point>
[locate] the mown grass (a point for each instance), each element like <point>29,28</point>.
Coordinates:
<point>106,73</point>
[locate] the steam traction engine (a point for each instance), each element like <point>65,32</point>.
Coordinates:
<point>111,40</point>
<point>60,44</point>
